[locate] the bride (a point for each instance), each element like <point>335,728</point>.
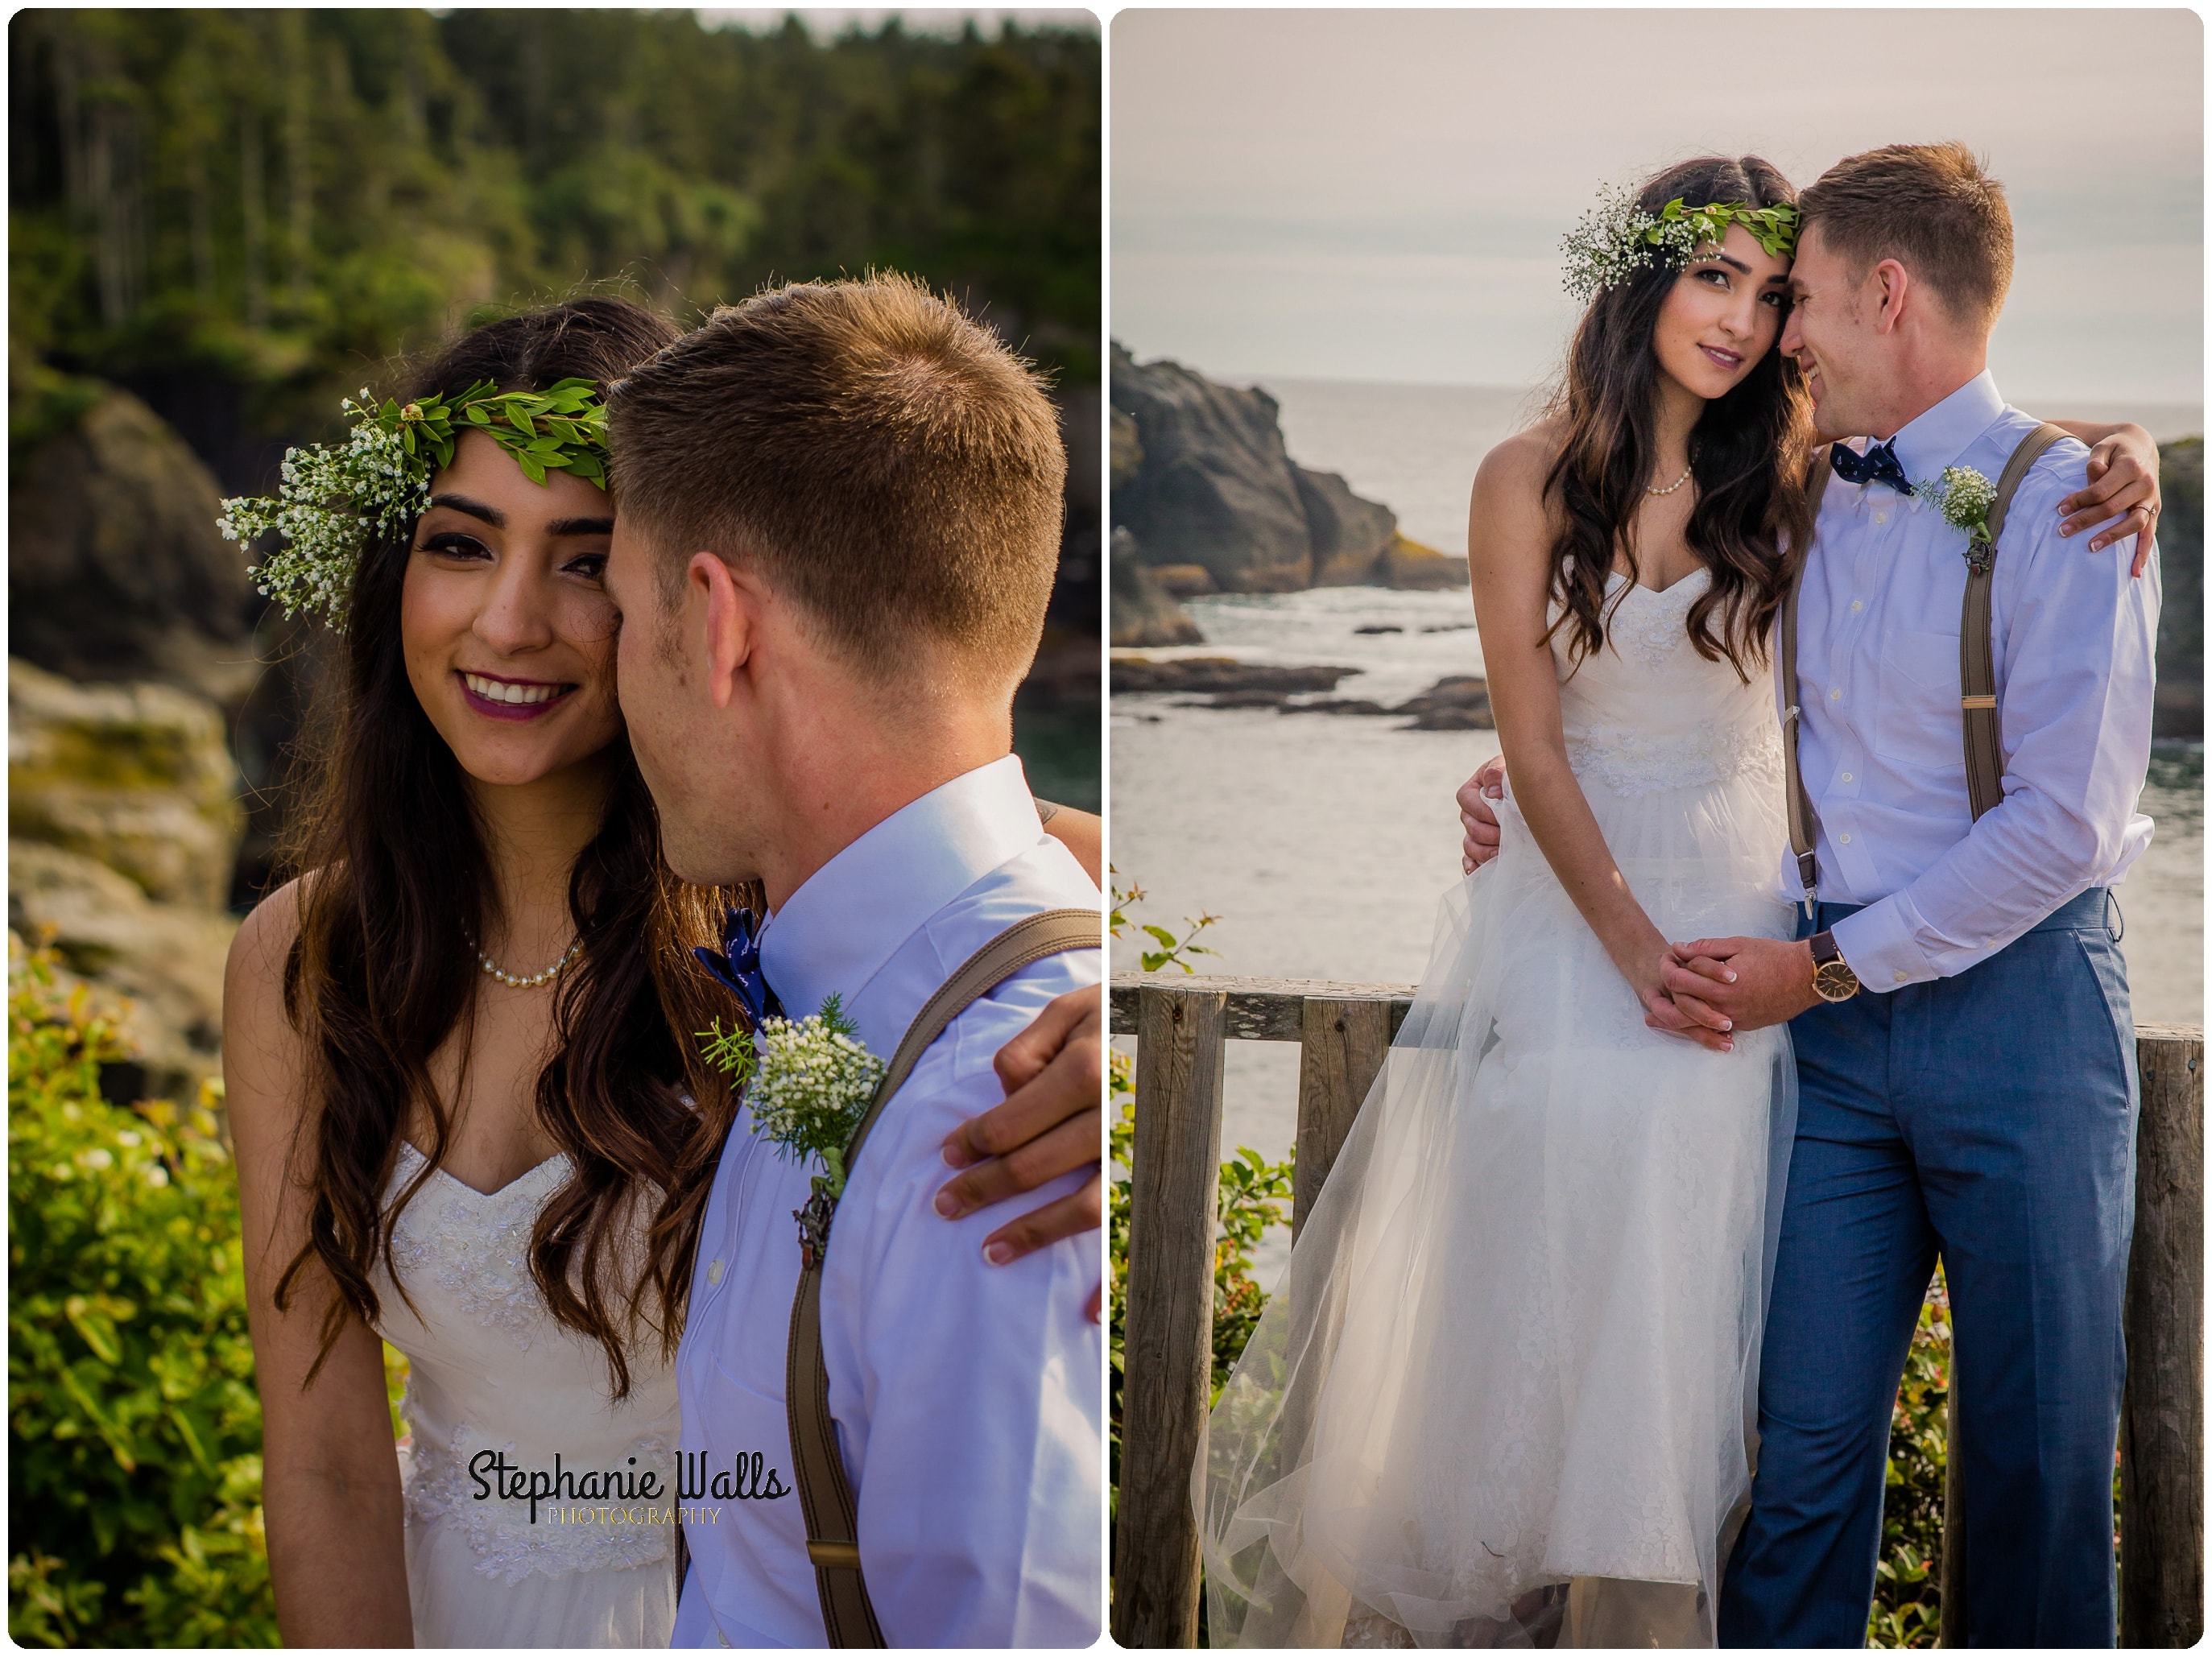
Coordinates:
<point>1500,1398</point>
<point>459,1051</point>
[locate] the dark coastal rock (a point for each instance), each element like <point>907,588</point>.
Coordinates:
<point>1349,534</point>
<point>1185,580</point>
<point>1460,701</point>
<point>115,570</point>
<point>1144,614</point>
<point>1408,564</point>
<point>1218,675</point>
<point>1379,628</point>
<point>1214,485</point>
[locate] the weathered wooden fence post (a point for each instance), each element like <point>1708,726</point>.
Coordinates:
<point>1167,1337</point>
<point>2162,1419</point>
<point>1342,1045</point>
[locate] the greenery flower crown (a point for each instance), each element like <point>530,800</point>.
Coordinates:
<point>1617,238</point>
<point>334,496</point>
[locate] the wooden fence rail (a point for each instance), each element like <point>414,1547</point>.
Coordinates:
<point>1182,1026</point>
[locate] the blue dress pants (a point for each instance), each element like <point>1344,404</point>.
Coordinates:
<point>1988,1119</point>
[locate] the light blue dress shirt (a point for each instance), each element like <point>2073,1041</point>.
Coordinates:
<point>969,1398</point>
<point>1881,744</point>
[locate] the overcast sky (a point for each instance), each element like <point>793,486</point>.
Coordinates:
<point>1379,195</point>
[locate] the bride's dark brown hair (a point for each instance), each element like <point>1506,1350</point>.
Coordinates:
<point>397,880</point>
<point>1746,455</point>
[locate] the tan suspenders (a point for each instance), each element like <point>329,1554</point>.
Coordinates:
<point>1978,676</point>
<point>825,1494</point>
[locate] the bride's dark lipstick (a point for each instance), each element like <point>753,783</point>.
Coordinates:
<point>489,695</point>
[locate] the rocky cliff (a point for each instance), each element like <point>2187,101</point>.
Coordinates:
<point>1201,480</point>
<point>2181,573</point>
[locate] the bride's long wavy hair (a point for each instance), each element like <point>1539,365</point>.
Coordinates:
<point>397,880</point>
<point>1748,453</point>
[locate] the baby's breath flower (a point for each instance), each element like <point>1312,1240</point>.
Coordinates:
<point>807,1082</point>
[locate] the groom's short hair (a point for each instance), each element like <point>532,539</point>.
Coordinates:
<point>1931,208</point>
<point>874,454</point>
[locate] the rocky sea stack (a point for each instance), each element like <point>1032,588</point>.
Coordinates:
<point>1211,500</point>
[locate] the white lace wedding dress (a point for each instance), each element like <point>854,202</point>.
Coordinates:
<point>1504,1393</point>
<point>490,1370</point>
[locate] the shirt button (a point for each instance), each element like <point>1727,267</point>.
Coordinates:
<point>1847,776</point>
<point>1835,693</point>
<point>1846,839</point>
<point>1898,976</point>
<point>1882,518</point>
<point>713,1271</point>
<point>1857,606</point>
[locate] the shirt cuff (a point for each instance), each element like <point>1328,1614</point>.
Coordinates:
<point>1878,946</point>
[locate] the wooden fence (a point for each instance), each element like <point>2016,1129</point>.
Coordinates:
<point>1182,1026</point>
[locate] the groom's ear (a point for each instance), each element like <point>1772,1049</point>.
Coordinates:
<point>730,621</point>
<point>1893,289</point>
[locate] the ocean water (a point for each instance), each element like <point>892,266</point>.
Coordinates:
<point>1323,842</point>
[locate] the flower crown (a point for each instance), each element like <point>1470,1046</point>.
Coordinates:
<point>1617,238</point>
<point>334,496</point>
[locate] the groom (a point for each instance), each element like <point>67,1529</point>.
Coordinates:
<point>838,518</point>
<point>1956,996</point>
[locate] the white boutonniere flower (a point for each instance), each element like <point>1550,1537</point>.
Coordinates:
<point>807,1082</point>
<point>1963,497</point>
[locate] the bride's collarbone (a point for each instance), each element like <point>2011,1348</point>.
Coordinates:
<point>492,1133</point>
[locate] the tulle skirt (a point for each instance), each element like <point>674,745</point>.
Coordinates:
<point>1505,1393</point>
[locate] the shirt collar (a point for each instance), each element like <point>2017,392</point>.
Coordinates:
<point>835,933</point>
<point>1937,437</point>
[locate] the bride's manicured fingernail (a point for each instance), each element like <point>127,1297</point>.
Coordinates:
<point>1731,978</point>
<point>948,1205</point>
<point>1728,1023</point>
<point>997,1253</point>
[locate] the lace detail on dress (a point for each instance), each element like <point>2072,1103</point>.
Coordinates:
<point>477,1248</point>
<point>1656,627</point>
<point>1632,762</point>
<point>569,1536</point>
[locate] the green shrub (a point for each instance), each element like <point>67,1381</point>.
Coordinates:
<point>134,1471</point>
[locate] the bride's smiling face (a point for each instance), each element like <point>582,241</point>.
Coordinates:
<point>1722,314</point>
<point>504,617</point>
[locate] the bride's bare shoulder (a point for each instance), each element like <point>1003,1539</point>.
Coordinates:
<point>1509,485</point>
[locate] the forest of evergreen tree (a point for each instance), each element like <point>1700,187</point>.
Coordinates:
<point>238,214</point>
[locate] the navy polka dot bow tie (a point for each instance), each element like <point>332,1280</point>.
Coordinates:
<point>1877,465</point>
<point>737,964</point>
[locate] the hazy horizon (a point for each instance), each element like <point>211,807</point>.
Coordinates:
<point>1379,196</point>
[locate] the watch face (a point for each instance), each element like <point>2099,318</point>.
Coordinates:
<point>1835,980</point>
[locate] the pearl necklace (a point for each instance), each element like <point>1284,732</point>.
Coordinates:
<point>1672,487</point>
<point>522,981</point>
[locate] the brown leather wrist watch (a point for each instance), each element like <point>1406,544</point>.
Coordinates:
<point>1832,977</point>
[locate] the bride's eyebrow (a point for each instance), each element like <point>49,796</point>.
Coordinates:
<point>491,515</point>
<point>580,526</point>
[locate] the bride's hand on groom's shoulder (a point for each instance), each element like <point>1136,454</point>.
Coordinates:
<point>1049,1124</point>
<point>2122,486</point>
<point>1751,982</point>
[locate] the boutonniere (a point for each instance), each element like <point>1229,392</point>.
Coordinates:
<point>1964,498</point>
<point>807,1081</point>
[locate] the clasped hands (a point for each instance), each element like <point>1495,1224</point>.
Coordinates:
<point>1706,989</point>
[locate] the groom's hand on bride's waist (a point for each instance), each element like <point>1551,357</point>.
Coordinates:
<point>1752,982</point>
<point>1049,1126</point>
